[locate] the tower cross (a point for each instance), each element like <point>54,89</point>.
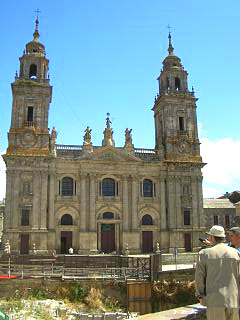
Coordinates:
<point>169,28</point>
<point>37,11</point>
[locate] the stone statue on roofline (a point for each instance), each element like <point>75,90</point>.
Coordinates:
<point>87,136</point>
<point>87,144</point>
<point>128,140</point>
<point>108,133</point>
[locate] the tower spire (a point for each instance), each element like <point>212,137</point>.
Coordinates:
<point>36,33</point>
<point>170,47</point>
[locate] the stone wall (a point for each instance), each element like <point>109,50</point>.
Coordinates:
<point>195,311</point>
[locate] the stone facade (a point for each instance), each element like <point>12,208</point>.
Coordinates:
<point>102,198</point>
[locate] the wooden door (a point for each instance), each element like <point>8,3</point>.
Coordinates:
<point>187,242</point>
<point>24,243</point>
<point>139,297</point>
<point>108,238</point>
<point>66,241</point>
<point>147,241</point>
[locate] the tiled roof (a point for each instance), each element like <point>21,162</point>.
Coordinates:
<point>217,203</point>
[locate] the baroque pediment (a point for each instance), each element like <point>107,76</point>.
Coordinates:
<point>109,153</point>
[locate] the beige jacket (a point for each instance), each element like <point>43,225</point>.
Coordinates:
<point>217,276</point>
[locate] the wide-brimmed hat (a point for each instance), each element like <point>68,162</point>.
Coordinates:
<point>217,231</point>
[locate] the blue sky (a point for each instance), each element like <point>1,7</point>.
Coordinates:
<point>105,56</point>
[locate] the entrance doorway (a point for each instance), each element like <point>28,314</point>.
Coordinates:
<point>147,241</point>
<point>24,243</point>
<point>187,242</point>
<point>108,238</point>
<point>66,241</point>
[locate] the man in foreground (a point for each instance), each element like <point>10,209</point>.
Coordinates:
<point>234,237</point>
<point>217,277</point>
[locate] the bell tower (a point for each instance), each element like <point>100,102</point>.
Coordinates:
<point>32,95</point>
<point>176,135</point>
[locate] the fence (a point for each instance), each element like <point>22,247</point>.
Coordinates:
<point>145,267</point>
<point>78,267</point>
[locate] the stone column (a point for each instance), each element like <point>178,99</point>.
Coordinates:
<point>51,201</point>
<point>43,200</point>
<point>92,206</point>
<point>15,193</point>
<point>83,218</point>
<point>163,222</point>
<point>36,206</point>
<point>134,204</point>
<point>125,203</point>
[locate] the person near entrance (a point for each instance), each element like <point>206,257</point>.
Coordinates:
<point>234,237</point>
<point>217,277</point>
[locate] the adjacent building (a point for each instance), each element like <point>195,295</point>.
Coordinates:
<point>102,198</point>
<point>219,212</point>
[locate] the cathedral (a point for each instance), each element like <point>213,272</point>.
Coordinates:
<point>102,199</point>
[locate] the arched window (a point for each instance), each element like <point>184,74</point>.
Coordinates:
<point>33,71</point>
<point>66,220</point>
<point>67,186</point>
<point>108,215</point>
<point>147,220</point>
<point>108,187</point>
<point>177,84</point>
<point>147,188</point>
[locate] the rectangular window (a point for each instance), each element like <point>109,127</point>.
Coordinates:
<point>186,217</point>
<point>181,123</point>
<point>30,114</point>
<point>227,220</point>
<point>25,217</point>
<point>215,219</point>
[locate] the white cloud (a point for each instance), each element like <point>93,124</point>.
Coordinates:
<point>222,172</point>
<point>2,177</point>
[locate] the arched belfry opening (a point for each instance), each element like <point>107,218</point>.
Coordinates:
<point>177,84</point>
<point>33,71</point>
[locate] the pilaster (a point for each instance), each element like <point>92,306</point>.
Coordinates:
<point>201,216</point>
<point>51,201</point>
<point>134,203</point>
<point>163,221</point>
<point>92,206</point>
<point>16,206</point>
<point>171,201</point>
<point>83,200</point>
<point>44,186</point>
<point>125,203</point>
<point>179,216</point>
<point>194,202</point>
<point>7,221</point>
<point>36,204</point>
